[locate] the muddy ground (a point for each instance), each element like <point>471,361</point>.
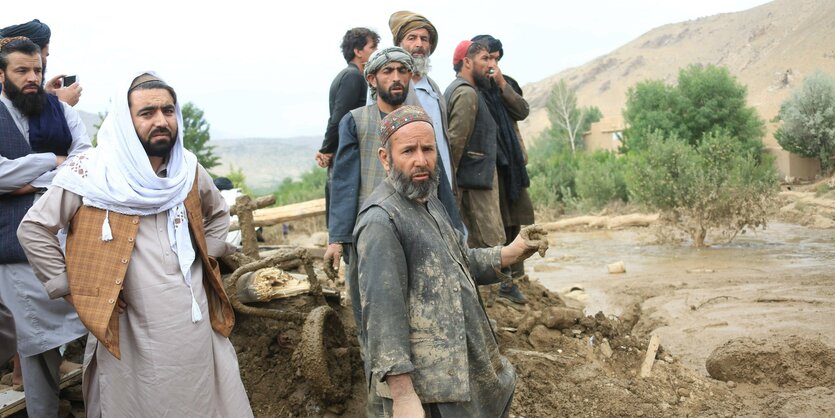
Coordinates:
<point>746,329</point>
<point>760,311</point>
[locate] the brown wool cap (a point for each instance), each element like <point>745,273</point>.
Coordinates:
<point>404,21</point>
<point>401,117</point>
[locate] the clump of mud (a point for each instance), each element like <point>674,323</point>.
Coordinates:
<point>792,362</point>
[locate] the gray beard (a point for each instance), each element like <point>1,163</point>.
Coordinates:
<point>404,185</point>
<point>421,66</point>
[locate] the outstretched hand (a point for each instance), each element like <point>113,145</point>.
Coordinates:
<point>530,240</point>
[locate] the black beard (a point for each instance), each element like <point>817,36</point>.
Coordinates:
<point>30,104</point>
<point>420,190</point>
<point>158,149</point>
<point>394,99</point>
<point>482,81</point>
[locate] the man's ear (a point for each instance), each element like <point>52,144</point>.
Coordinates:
<point>384,158</point>
<point>372,80</point>
<point>2,76</point>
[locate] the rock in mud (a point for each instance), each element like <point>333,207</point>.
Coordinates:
<point>785,361</point>
<point>560,318</point>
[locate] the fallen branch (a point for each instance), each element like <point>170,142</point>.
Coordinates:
<point>608,222</point>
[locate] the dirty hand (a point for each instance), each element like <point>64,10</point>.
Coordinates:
<point>332,257</point>
<point>531,239</point>
<point>498,77</point>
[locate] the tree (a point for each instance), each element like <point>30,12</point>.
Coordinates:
<point>567,121</point>
<point>808,117</point>
<point>719,184</point>
<point>196,136</point>
<point>706,100</point>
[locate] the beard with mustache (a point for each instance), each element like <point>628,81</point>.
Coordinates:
<point>394,99</point>
<point>159,148</point>
<point>414,190</point>
<point>30,104</point>
<point>482,81</point>
<point>420,63</point>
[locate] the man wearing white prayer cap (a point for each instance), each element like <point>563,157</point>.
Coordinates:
<point>146,224</point>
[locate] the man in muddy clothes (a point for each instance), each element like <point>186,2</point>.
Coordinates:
<point>427,342</point>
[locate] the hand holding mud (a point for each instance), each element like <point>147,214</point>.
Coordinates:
<point>332,259</point>
<point>530,240</point>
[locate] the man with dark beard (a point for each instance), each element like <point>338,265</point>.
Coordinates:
<point>506,104</point>
<point>39,33</point>
<point>428,346</point>
<point>417,35</point>
<point>37,133</point>
<point>356,170</point>
<point>473,136</point>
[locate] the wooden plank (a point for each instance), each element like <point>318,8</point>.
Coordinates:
<point>646,368</point>
<point>286,213</point>
<point>12,401</point>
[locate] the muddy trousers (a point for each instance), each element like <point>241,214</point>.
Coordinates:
<point>41,377</point>
<point>8,338</point>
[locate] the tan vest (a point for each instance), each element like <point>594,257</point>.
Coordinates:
<point>96,270</point>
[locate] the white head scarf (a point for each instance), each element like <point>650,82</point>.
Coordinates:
<point>117,176</point>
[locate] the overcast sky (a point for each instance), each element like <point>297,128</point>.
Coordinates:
<point>263,69</point>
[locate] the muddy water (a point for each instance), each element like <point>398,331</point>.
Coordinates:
<point>771,282</point>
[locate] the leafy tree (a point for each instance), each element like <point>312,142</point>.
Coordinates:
<point>706,100</point>
<point>568,122</point>
<point>196,136</point>
<point>808,117</point>
<point>719,184</point>
<point>552,169</point>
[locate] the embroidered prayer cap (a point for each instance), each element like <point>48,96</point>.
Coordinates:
<point>387,55</point>
<point>37,31</point>
<point>492,43</point>
<point>404,21</point>
<point>6,41</point>
<point>460,51</point>
<point>399,118</point>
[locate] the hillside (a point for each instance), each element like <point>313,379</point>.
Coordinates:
<point>770,49</point>
<point>266,162</point>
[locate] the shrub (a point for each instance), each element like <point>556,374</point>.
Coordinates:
<point>599,179</point>
<point>717,185</point>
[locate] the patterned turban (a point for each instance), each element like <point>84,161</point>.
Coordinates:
<point>6,41</point>
<point>36,31</point>
<point>401,117</point>
<point>403,22</point>
<point>385,56</point>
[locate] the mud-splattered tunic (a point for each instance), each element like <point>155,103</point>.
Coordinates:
<point>420,310</point>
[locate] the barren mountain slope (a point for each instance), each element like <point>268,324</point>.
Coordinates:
<point>759,46</point>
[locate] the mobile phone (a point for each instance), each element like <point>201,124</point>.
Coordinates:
<point>69,79</point>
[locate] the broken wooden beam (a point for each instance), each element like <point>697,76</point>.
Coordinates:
<point>652,349</point>
<point>286,213</point>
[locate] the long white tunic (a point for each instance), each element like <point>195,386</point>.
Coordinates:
<point>170,366</point>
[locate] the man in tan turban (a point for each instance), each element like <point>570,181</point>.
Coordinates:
<point>417,35</point>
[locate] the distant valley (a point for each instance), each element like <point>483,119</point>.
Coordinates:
<point>266,162</point>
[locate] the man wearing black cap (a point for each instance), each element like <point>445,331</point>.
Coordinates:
<point>504,99</point>
<point>39,33</point>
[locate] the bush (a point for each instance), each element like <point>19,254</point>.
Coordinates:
<point>808,117</point>
<point>599,179</point>
<point>310,186</point>
<point>552,169</point>
<point>717,185</point>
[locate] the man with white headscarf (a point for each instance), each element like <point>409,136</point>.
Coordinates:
<point>146,224</point>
